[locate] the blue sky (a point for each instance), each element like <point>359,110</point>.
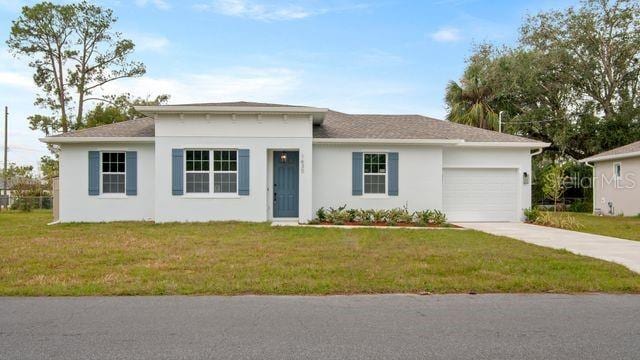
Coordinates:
<point>358,56</point>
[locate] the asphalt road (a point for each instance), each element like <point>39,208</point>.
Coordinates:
<point>335,327</point>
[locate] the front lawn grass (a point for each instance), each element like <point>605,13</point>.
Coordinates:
<point>129,258</point>
<point>624,227</point>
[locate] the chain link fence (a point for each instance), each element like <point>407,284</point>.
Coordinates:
<point>26,202</point>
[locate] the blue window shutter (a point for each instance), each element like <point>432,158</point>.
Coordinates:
<point>243,172</point>
<point>177,171</point>
<point>94,173</point>
<point>392,174</point>
<point>131,165</point>
<point>356,174</point>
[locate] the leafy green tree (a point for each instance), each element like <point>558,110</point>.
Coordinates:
<point>554,185</point>
<point>73,51</point>
<point>470,102</point>
<point>49,168</point>
<point>120,108</point>
<point>573,80</point>
<point>18,171</point>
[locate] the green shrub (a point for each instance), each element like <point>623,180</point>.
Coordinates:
<point>321,215</point>
<point>380,215</point>
<point>531,214</point>
<point>399,215</point>
<point>438,217</point>
<point>342,215</point>
<point>581,206</point>
<point>433,217</point>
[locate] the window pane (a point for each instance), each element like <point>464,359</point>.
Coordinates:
<point>225,182</point>
<point>233,155</point>
<point>233,166</point>
<point>197,182</point>
<point>374,184</point>
<point>113,183</point>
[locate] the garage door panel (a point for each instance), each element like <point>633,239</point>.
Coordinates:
<point>480,194</point>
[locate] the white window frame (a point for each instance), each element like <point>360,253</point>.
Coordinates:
<point>214,172</point>
<point>211,172</point>
<point>196,171</point>
<point>386,170</point>
<point>124,193</point>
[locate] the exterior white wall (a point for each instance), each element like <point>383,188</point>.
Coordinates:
<point>624,194</point>
<point>77,205</point>
<point>259,136</point>
<point>478,157</point>
<point>419,177</point>
<point>238,126</point>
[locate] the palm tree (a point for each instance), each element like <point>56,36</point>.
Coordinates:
<point>469,102</point>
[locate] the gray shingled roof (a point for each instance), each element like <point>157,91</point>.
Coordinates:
<point>622,150</point>
<point>142,127</point>
<point>238,103</point>
<point>348,126</point>
<point>336,125</point>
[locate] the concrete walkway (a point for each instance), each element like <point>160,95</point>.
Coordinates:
<point>624,252</point>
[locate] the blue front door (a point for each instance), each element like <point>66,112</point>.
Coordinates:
<point>285,184</point>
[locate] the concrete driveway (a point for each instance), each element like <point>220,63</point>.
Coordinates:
<point>624,252</point>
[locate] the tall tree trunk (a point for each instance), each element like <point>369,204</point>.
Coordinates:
<point>64,122</point>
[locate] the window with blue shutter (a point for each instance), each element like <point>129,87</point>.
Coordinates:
<point>131,169</point>
<point>94,173</point>
<point>393,174</point>
<point>243,172</point>
<point>356,174</point>
<point>177,171</point>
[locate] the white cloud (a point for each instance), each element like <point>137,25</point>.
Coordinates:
<point>237,83</point>
<point>17,80</point>
<point>253,10</point>
<point>276,11</point>
<point>150,42</point>
<point>447,34</point>
<point>160,4</point>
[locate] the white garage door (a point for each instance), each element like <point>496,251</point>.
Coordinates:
<point>480,194</point>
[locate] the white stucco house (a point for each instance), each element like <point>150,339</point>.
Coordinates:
<point>616,180</point>
<point>260,162</point>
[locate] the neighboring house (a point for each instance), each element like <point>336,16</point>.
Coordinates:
<point>259,162</point>
<point>616,185</point>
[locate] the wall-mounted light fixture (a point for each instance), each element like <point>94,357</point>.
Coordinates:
<point>525,178</point>
<point>283,157</point>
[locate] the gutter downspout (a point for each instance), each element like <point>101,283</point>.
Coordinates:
<point>593,186</point>
<point>537,152</point>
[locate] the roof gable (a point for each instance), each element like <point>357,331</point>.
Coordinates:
<point>628,150</point>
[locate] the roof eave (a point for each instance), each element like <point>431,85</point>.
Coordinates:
<point>385,141</point>
<point>610,157</point>
<point>510,144</point>
<point>96,139</point>
<point>152,110</point>
<point>452,142</point>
